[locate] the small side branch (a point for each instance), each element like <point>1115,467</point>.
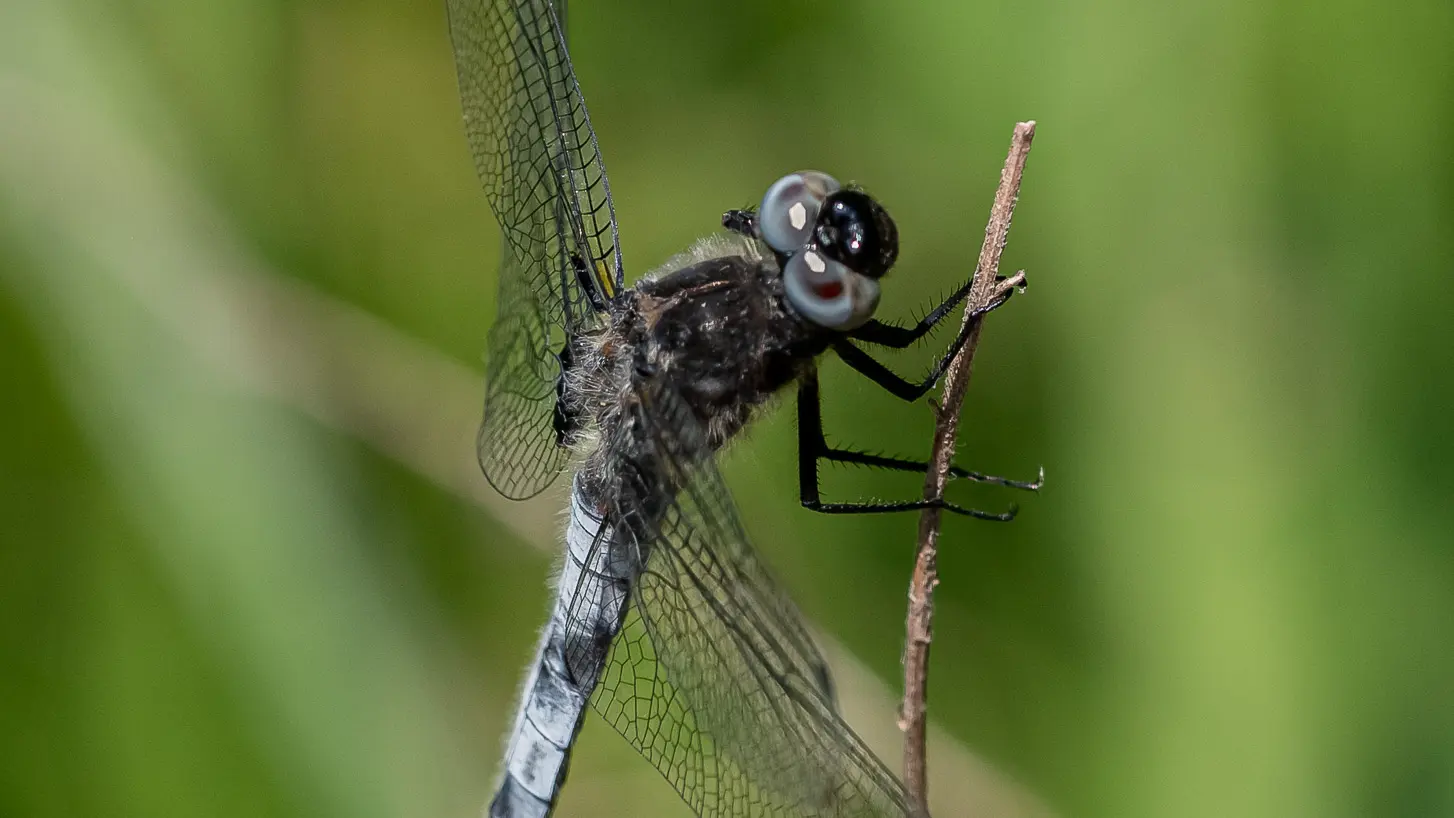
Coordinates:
<point>912,718</point>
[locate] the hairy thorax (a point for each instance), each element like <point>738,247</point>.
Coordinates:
<point>712,327</point>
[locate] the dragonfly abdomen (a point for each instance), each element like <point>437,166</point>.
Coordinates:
<point>568,665</point>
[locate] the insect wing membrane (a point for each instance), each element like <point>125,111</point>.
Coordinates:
<point>537,159</point>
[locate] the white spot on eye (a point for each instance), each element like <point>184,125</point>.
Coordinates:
<point>798,215</point>
<point>814,262</point>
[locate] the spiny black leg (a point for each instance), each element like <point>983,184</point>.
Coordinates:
<point>885,334</point>
<point>918,505</point>
<point>810,440</point>
<point>812,447</point>
<point>894,383</point>
<point>878,461</point>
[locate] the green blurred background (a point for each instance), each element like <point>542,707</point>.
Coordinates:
<point>249,567</point>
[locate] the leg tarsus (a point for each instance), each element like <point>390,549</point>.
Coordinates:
<point>916,505</point>
<point>858,458</point>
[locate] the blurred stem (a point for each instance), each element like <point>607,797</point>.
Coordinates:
<point>919,626</point>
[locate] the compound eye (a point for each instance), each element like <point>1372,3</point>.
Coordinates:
<point>856,230</point>
<point>828,293</point>
<point>790,207</point>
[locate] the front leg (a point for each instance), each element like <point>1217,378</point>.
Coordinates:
<point>886,334</point>
<point>897,337</point>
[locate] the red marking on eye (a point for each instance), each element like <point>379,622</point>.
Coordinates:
<point>828,289</point>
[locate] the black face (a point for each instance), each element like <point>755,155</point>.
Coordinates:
<point>856,231</point>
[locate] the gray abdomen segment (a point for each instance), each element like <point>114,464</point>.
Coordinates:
<point>568,664</point>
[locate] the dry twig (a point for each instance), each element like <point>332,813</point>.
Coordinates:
<point>956,382</point>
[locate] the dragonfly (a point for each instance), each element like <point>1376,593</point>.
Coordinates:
<point>665,620</point>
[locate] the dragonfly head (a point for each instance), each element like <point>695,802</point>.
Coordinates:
<point>835,244</point>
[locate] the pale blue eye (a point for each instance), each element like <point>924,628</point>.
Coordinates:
<point>790,209</point>
<point>828,293</point>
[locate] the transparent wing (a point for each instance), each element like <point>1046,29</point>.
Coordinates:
<point>714,678</point>
<point>517,443</point>
<point>537,159</point>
